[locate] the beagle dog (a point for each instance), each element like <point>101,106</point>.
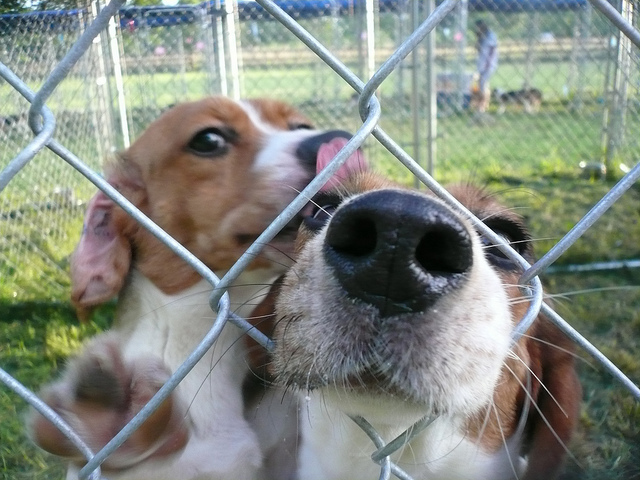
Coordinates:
<point>213,174</point>
<point>398,309</point>
<point>529,98</point>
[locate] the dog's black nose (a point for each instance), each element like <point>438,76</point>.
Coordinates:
<point>307,151</point>
<point>398,251</point>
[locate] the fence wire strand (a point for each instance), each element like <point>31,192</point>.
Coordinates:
<point>43,124</point>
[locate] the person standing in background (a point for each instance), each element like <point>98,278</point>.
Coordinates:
<point>487,62</point>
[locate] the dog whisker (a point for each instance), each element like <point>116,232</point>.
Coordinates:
<point>515,356</point>
<point>253,299</point>
<point>518,242</point>
<point>504,442</point>
<point>445,455</point>
<point>544,418</point>
<point>563,350</point>
<point>527,298</point>
<point>298,191</point>
<point>261,254</point>
<point>500,193</point>
<point>485,423</point>
<point>197,294</point>
<point>501,212</point>
<point>320,207</point>
<point>212,366</point>
<point>565,295</point>
<point>595,290</point>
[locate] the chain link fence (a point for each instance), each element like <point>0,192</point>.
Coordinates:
<point>127,65</point>
<point>43,203</point>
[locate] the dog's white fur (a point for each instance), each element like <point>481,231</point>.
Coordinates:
<point>334,447</point>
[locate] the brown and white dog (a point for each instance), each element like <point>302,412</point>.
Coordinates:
<point>213,174</point>
<point>530,99</point>
<point>397,309</point>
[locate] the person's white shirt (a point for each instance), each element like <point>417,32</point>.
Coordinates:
<point>488,53</point>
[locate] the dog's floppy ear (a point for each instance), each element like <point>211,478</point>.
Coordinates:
<point>101,261</point>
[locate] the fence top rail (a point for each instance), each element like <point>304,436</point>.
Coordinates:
<point>163,16</point>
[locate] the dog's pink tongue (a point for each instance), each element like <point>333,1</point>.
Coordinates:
<point>355,163</point>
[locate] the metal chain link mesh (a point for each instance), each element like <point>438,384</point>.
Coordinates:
<point>145,59</point>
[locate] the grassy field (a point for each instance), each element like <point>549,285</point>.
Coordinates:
<point>530,161</point>
<point>296,82</point>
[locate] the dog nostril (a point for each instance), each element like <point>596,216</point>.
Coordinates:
<point>397,251</point>
<point>443,250</point>
<point>356,238</point>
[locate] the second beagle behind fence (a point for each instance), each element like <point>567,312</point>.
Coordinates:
<point>397,309</point>
<point>530,99</point>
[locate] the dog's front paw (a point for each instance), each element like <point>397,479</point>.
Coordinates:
<point>98,394</point>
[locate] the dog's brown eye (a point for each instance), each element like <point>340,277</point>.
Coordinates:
<point>208,143</point>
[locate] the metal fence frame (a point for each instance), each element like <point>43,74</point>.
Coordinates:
<point>43,123</point>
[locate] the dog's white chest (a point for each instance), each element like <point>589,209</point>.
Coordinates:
<point>335,448</point>
<point>169,328</point>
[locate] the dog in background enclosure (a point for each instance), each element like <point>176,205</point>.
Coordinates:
<point>213,174</point>
<point>397,309</point>
<point>530,99</point>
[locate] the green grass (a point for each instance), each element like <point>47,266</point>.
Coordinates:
<point>40,223</point>
<point>607,444</point>
<point>35,340</point>
<point>299,83</point>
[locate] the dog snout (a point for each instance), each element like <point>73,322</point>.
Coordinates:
<point>397,251</point>
<point>307,151</point>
